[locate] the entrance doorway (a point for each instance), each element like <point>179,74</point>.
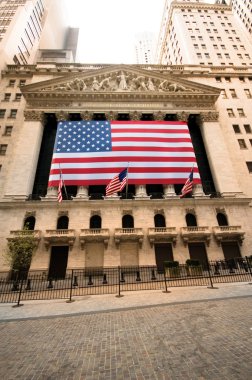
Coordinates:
<point>231,250</point>
<point>58,262</point>
<point>163,252</point>
<point>197,251</point>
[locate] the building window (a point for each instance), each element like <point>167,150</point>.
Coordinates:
<point>236,128</point>
<point>12,82</point>
<point>8,130</point>
<point>18,97</point>
<point>250,141</point>
<point>22,82</point>
<point>249,166</point>
<point>242,144</point>
<point>241,112</point>
<point>2,113</point>
<point>247,93</point>
<point>241,79</point>
<point>13,114</point>
<point>233,93</point>
<point>247,128</point>
<point>223,94</point>
<point>7,97</point>
<point>227,79</point>
<point>3,148</point>
<point>230,112</point>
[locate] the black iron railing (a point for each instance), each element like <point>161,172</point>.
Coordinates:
<point>37,285</point>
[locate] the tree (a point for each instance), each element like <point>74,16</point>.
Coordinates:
<point>20,250</point>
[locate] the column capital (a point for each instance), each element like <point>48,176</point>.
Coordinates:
<point>86,115</point>
<point>62,115</point>
<point>209,116</point>
<point>135,115</point>
<point>159,115</point>
<point>183,116</point>
<point>31,115</point>
<point>111,115</point>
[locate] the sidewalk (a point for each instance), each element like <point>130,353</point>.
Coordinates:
<point>130,300</point>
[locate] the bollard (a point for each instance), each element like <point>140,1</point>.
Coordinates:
<point>138,276</point>
<point>104,279</point>
<point>153,277</point>
<point>50,283</point>
<point>28,285</point>
<point>90,282</point>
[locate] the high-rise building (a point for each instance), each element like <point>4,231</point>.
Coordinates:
<point>243,10</point>
<point>145,48</point>
<point>200,33</point>
<point>151,224</point>
<point>29,25</point>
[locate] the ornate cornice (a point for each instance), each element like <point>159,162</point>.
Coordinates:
<point>33,115</point>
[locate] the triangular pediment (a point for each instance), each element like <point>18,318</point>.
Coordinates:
<point>119,81</point>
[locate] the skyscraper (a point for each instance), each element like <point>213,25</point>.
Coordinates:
<point>145,48</point>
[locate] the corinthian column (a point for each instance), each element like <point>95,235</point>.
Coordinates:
<point>218,155</point>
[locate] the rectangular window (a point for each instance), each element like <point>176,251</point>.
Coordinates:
<point>13,114</point>
<point>241,79</point>
<point>242,144</point>
<point>233,93</point>
<point>12,82</point>
<point>8,130</point>
<point>2,113</point>
<point>7,97</point>
<point>230,112</point>
<point>227,79</point>
<point>218,79</point>
<point>3,149</point>
<point>236,128</point>
<point>18,97</point>
<point>250,141</point>
<point>247,93</point>
<point>223,94</point>
<point>247,128</point>
<point>241,112</point>
<point>249,166</point>
<point>22,82</point>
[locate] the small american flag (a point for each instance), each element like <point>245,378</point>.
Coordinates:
<point>60,189</point>
<point>117,183</point>
<point>187,188</point>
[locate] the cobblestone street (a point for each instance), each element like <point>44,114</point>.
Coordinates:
<point>196,340</point>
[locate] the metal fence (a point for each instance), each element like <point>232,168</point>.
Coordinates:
<point>37,285</point>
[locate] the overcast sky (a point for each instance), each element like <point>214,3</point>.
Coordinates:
<point>108,27</point>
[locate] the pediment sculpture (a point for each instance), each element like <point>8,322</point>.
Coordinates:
<point>120,81</point>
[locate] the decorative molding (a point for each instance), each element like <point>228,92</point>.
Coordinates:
<point>62,213</point>
<point>183,116</point>
<point>209,116</point>
<point>86,115</point>
<point>159,115</point>
<point>33,115</point>
<point>135,115</point>
<point>95,212</point>
<point>62,115</point>
<point>111,115</point>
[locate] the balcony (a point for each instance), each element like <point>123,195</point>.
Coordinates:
<point>36,234</point>
<point>59,237</point>
<point>162,235</point>
<point>128,234</point>
<point>228,233</point>
<point>94,235</point>
<point>195,234</point>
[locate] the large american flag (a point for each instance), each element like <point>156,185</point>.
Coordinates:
<point>93,152</point>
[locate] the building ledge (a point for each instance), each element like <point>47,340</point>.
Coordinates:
<point>162,234</point>
<point>17,234</point>
<point>94,235</point>
<point>195,233</point>
<point>128,234</point>
<point>59,237</point>
<point>228,233</point>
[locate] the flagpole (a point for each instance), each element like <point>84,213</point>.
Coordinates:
<point>127,181</point>
<point>61,174</point>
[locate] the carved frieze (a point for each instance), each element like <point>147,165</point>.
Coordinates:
<point>31,115</point>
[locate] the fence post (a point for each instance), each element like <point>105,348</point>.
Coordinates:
<point>166,287</point>
<point>71,289</point>
<point>19,294</point>
<point>210,277</point>
<point>249,268</point>
<point>119,283</point>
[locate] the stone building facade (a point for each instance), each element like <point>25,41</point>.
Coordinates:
<point>153,224</point>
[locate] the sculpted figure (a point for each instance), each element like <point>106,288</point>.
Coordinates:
<point>175,87</point>
<point>151,85</point>
<point>163,85</point>
<point>141,83</point>
<point>122,81</point>
<point>105,84</point>
<point>95,85</point>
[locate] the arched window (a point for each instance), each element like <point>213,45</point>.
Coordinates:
<point>191,220</point>
<point>62,223</point>
<point>222,219</point>
<point>127,221</point>
<point>95,221</point>
<point>29,223</point>
<point>159,220</point>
